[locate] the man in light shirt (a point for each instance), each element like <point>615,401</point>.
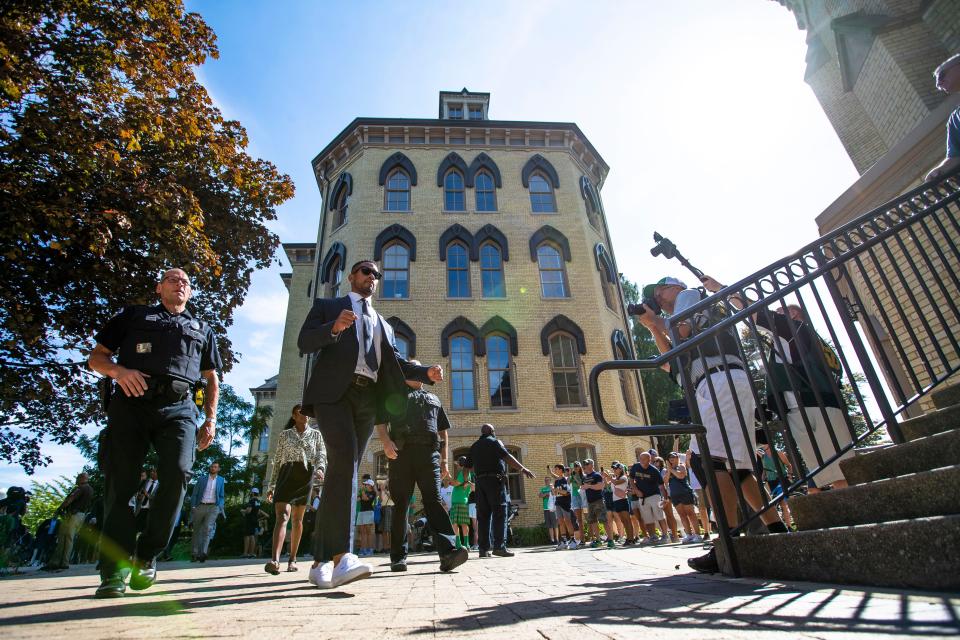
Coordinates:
<point>207,501</point>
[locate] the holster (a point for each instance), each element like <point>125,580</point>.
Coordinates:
<point>105,390</point>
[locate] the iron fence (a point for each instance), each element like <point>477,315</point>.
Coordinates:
<point>817,352</point>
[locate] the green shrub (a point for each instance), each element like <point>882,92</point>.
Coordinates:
<point>530,536</point>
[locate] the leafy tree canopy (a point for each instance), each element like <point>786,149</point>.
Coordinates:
<point>114,165</point>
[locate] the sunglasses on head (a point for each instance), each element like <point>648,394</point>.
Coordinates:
<point>367,271</point>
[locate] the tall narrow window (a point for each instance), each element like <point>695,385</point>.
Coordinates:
<point>453,199</point>
<point>627,387</point>
<point>403,346</point>
<point>458,271</point>
<point>396,272</point>
<point>486,196</point>
<point>514,479</point>
<point>541,195</point>
<point>498,371</point>
<point>336,277</point>
<point>340,209</point>
<point>565,366</point>
<point>461,373</point>
<point>383,465</point>
<point>553,277</point>
<point>398,191</point>
<point>264,443</point>
<point>491,271</point>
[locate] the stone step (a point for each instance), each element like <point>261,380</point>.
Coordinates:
<point>938,450</point>
<point>947,396</point>
<point>928,493</point>
<point>914,554</point>
<point>931,423</point>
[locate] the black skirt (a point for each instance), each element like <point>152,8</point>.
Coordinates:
<point>292,484</point>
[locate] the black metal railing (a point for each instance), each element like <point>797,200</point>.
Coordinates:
<point>817,352</point>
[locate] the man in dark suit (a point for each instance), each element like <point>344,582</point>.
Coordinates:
<point>356,370</point>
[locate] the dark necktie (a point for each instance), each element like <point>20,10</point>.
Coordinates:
<point>369,352</point>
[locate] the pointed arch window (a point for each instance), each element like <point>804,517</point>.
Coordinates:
<point>453,192</point>
<point>514,479</point>
<point>396,271</point>
<point>553,274</point>
<point>485,193</point>
<point>499,374</point>
<point>462,383</point>
<point>340,206</point>
<point>398,191</point>
<point>565,369</point>
<point>541,195</point>
<point>458,271</point>
<point>627,379</point>
<point>491,271</point>
<point>336,277</point>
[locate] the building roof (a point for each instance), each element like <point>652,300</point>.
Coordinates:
<point>479,124</point>
<point>270,384</point>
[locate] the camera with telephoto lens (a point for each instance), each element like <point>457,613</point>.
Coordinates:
<point>641,307</point>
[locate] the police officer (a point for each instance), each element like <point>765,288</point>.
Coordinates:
<point>488,457</point>
<point>416,444</point>
<point>162,352</point>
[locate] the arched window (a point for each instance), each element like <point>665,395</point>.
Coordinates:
<point>553,275</point>
<point>484,191</point>
<point>383,465</point>
<point>578,453</point>
<point>491,271</point>
<point>398,191</point>
<point>404,337</point>
<point>458,271</point>
<point>541,195</point>
<point>462,389</point>
<point>514,479</point>
<point>627,386</point>
<point>608,277</point>
<point>264,443</point>
<point>336,277</point>
<point>403,346</point>
<point>565,367</point>
<point>453,193</point>
<point>340,208</point>
<point>396,272</point>
<point>499,377</point>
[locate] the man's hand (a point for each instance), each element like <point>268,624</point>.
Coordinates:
<point>948,165</point>
<point>443,469</point>
<point>318,474</point>
<point>344,321</point>
<point>390,449</point>
<point>654,323</point>
<point>207,430</point>
<point>133,382</point>
<point>711,285</point>
<point>435,373</point>
<point>526,472</point>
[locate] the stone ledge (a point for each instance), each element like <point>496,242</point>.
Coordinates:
<point>922,454</point>
<point>947,396</point>
<point>930,423</point>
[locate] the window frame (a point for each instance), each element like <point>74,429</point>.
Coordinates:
<point>388,190</point>
<point>539,195</point>
<point>485,270</point>
<point>455,372</point>
<point>460,246</point>
<point>514,476</point>
<point>477,191</point>
<point>454,192</point>
<point>587,448</point>
<point>390,270</point>
<point>340,207</point>
<point>562,269</point>
<point>575,368</point>
<point>507,371</point>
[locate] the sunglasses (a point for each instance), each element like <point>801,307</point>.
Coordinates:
<point>367,271</point>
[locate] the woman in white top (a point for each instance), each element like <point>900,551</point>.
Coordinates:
<point>300,459</point>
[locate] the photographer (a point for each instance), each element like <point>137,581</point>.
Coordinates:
<point>710,374</point>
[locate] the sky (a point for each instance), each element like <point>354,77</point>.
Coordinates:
<point>699,108</point>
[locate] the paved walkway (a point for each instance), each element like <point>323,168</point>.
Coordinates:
<point>538,594</point>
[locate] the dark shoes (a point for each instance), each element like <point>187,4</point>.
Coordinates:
<point>202,558</point>
<point>504,553</point>
<point>452,560</point>
<point>705,563</point>
<point>53,568</point>
<point>111,586</point>
<point>484,553</point>
<point>399,565</point>
<point>144,574</point>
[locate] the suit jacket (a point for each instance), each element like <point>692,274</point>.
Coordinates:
<point>336,360</point>
<point>201,486</point>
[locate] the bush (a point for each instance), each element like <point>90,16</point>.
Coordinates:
<point>530,536</point>
<point>228,539</point>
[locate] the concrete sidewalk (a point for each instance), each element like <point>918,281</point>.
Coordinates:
<point>538,594</point>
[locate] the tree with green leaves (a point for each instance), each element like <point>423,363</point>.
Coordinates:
<point>238,421</point>
<point>114,165</point>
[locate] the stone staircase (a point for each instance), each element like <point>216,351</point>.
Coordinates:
<point>897,525</point>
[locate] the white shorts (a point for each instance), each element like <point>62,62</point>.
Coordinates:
<point>742,449</point>
<point>798,429</point>
<point>472,511</point>
<point>651,509</point>
<point>364,517</point>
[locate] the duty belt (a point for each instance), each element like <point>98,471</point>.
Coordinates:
<point>167,389</point>
<point>498,476</point>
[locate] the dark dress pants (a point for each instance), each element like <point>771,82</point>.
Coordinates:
<point>491,505</point>
<point>346,426</point>
<point>133,425</point>
<point>420,465</point>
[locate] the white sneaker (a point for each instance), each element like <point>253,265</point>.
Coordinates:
<point>322,575</point>
<point>572,545</point>
<point>349,569</point>
<point>560,545</point>
<point>694,537</point>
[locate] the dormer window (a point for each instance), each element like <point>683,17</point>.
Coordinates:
<point>476,112</point>
<point>456,112</point>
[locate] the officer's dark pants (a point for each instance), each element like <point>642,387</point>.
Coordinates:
<point>491,505</point>
<point>133,425</point>
<point>420,465</point>
<point>346,426</point>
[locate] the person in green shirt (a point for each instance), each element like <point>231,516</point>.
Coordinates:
<point>549,517</point>
<point>462,482</point>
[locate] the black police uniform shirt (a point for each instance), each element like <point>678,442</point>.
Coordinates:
<point>648,480</point>
<point>423,419</point>
<point>593,478</point>
<point>159,343</point>
<point>487,455</point>
<point>563,501</point>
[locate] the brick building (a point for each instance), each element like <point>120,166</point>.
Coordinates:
<point>497,265</point>
<point>870,64</point>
